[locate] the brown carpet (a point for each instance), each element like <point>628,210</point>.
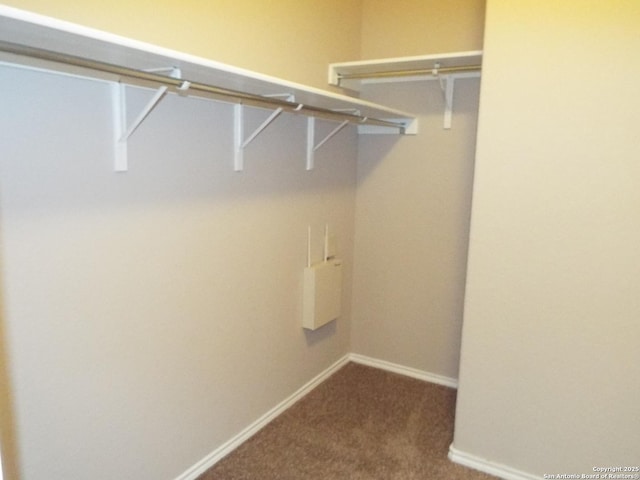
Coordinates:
<point>360,424</point>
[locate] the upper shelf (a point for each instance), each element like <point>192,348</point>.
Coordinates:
<point>353,75</point>
<point>26,29</point>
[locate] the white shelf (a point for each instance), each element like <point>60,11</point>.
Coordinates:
<point>353,75</point>
<point>44,33</point>
<point>444,67</point>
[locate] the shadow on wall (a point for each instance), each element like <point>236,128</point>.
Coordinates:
<point>425,99</point>
<point>8,441</point>
<point>313,337</point>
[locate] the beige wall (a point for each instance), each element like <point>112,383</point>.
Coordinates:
<point>152,315</point>
<point>413,197</point>
<point>205,235</point>
<point>550,360</point>
<point>290,39</point>
<point>412,219</point>
<point>145,303</point>
<point>8,438</point>
<point>419,27</point>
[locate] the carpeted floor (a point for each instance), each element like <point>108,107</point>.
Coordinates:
<point>360,424</point>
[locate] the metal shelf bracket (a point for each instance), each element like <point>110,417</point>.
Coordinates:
<point>447,87</point>
<point>447,92</point>
<point>311,145</point>
<point>119,106</point>
<point>239,142</point>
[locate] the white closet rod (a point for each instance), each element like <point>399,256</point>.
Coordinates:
<point>201,88</point>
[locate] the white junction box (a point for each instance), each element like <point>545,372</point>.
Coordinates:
<point>322,293</point>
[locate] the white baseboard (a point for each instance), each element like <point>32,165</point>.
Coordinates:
<point>226,448</point>
<point>402,370</point>
<point>487,466</point>
<point>214,457</point>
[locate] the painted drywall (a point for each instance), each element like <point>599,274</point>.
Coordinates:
<point>225,235</point>
<point>419,27</point>
<point>550,360</point>
<point>290,39</point>
<point>151,315</point>
<point>8,447</point>
<point>413,199</point>
<point>412,221</point>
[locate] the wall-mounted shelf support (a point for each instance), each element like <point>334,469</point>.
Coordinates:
<point>238,134</point>
<point>311,134</point>
<point>173,72</point>
<point>47,44</point>
<point>119,104</point>
<point>120,113</point>
<point>118,108</point>
<point>410,128</point>
<point>447,88</point>
<point>239,142</point>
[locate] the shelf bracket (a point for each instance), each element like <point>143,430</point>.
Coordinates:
<point>447,88</point>
<point>173,72</point>
<point>144,113</point>
<point>119,108</point>
<point>238,134</point>
<point>311,145</point>
<point>448,101</point>
<point>121,132</point>
<point>239,142</point>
